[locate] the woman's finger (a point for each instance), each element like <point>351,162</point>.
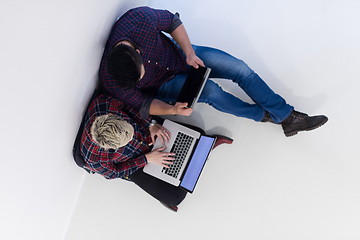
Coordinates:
<point>165,166</point>
<point>152,139</point>
<point>169,154</point>
<point>163,136</point>
<point>168,158</point>
<point>167,162</point>
<point>160,149</point>
<point>166,134</point>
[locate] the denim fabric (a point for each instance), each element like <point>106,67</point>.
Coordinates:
<point>225,66</point>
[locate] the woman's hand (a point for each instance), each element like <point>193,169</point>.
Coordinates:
<point>157,156</point>
<point>159,131</point>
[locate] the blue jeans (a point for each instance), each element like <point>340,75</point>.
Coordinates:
<point>225,66</point>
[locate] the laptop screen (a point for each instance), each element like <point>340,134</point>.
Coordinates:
<point>197,163</point>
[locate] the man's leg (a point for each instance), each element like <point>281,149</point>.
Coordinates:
<point>225,66</point>
<point>213,95</point>
<point>277,110</point>
<point>268,107</point>
<point>169,91</point>
<point>223,101</point>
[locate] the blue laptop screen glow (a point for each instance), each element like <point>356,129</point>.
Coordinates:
<point>197,163</point>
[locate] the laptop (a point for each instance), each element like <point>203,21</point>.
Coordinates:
<point>193,86</point>
<point>192,150</point>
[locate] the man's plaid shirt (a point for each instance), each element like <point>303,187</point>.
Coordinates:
<point>122,162</point>
<point>162,59</point>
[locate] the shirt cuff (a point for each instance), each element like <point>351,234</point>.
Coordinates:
<point>175,22</point>
<point>141,161</point>
<point>145,107</point>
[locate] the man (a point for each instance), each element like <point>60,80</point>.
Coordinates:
<point>117,143</point>
<point>145,69</point>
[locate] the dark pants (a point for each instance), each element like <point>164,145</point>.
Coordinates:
<point>162,191</point>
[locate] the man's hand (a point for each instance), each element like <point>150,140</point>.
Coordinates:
<point>180,36</point>
<point>159,131</point>
<point>162,158</point>
<point>194,60</point>
<point>159,107</point>
<point>181,109</point>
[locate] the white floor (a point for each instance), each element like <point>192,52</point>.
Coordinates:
<point>263,186</point>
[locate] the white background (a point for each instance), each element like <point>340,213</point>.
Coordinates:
<point>263,186</point>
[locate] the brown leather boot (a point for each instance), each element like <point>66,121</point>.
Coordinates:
<point>171,208</point>
<point>221,140</point>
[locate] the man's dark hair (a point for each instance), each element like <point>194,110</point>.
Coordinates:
<point>124,64</point>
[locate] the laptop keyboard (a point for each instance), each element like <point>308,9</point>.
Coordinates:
<point>180,147</point>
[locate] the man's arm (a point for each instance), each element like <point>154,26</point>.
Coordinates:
<point>181,37</point>
<point>158,107</point>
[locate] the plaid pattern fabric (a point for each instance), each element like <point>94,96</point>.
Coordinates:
<point>162,59</point>
<point>122,162</point>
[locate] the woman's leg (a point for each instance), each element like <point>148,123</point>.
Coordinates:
<point>225,66</point>
<point>162,191</point>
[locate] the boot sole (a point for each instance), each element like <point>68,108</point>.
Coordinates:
<point>293,133</point>
<point>171,208</point>
<point>221,136</point>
